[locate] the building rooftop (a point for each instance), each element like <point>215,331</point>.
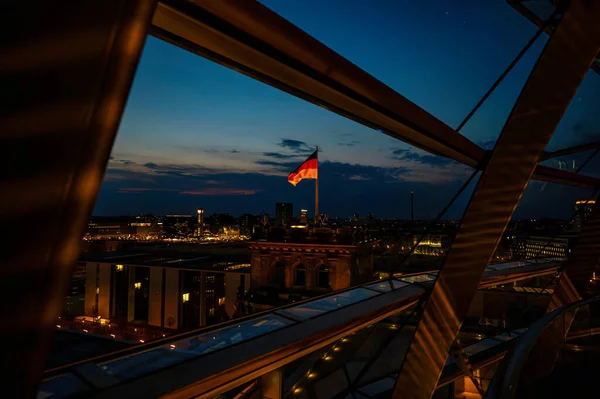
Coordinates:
<point>214,257</point>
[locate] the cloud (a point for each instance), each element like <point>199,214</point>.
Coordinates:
<point>299,147</point>
<point>234,151</point>
<point>279,155</point>
<point>212,191</point>
<point>151,165</point>
<point>279,166</point>
<point>349,143</point>
<point>143,189</point>
<point>487,144</point>
<point>408,155</point>
<point>359,177</point>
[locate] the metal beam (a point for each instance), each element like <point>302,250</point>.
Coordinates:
<point>253,40</point>
<point>536,114</point>
<point>571,150</point>
<point>67,68</point>
<point>552,175</point>
<point>518,6</point>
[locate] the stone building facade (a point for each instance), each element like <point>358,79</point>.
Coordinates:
<point>310,267</point>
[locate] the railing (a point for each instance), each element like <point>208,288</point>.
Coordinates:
<point>217,359</point>
<point>535,355</point>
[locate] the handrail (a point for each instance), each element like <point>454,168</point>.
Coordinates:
<point>507,377</point>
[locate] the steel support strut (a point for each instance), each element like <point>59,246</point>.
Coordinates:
<point>582,262</point>
<point>66,71</point>
<point>536,114</point>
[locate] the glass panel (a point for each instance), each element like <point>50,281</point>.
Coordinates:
<point>179,351</point>
<point>321,306</point>
<point>63,386</point>
<point>386,285</point>
<point>418,278</point>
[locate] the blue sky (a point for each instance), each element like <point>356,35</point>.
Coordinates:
<point>196,134</point>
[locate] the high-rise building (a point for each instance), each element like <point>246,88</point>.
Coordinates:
<point>247,224</point>
<point>220,221</point>
<point>583,210</point>
<point>303,216</point>
<point>200,228</point>
<point>284,212</point>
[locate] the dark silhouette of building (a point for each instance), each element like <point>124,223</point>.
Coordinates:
<point>248,223</point>
<point>583,210</point>
<point>284,212</point>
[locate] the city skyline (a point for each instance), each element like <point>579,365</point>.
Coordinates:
<point>196,134</point>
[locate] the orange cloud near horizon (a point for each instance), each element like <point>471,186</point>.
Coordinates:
<point>220,191</point>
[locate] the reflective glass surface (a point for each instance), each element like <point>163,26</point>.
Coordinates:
<point>386,285</point>
<point>142,363</point>
<point>418,278</point>
<point>63,386</point>
<point>321,306</point>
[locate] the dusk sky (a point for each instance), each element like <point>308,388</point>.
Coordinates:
<point>196,134</point>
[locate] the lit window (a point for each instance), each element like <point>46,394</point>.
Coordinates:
<point>185,297</point>
<point>97,290</point>
<point>138,285</point>
<point>119,268</point>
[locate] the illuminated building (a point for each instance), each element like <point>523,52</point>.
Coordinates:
<point>284,212</point>
<point>219,221</point>
<point>431,244</point>
<point>200,227</point>
<point>178,226</point>
<point>582,210</point>
<point>303,216</point>
<point>177,291</point>
<point>531,247</point>
<point>304,269</point>
<point>121,227</point>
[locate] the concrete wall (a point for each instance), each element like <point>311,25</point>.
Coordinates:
<point>90,287</point>
<point>171,298</point>
<point>104,293</point>
<point>155,299</point>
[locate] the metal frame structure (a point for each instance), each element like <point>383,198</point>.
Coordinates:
<point>546,95</point>
<point>69,70</point>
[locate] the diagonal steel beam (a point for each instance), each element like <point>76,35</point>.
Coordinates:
<point>253,40</point>
<point>518,6</point>
<point>536,114</point>
<point>67,68</point>
<point>571,150</point>
<point>553,175</point>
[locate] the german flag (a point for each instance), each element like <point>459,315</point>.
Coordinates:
<point>308,170</point>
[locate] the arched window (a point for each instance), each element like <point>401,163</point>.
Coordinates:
<point>279,273</point>
<point>323,276</point>
<point>300,275</point>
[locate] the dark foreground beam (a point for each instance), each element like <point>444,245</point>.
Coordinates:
<point>66,71</point>
<point>539,108</point>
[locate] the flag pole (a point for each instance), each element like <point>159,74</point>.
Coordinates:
<point>317,191</point>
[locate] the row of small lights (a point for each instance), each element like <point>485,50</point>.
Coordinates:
<point>310,375</point>
<point>115,337</point>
